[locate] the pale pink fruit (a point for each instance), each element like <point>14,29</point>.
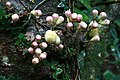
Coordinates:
<point>79,17</point>
<point>43,44</point>
<point>38,51</point>
<point>68,13</point>
<point>94,24</point>
<point>103,14</point>
<point>35,44</point>
<point>15,17</point>
<point>38,12</point>
<point>95,38</point>
<point>30,50</point>
<point>95,12</point>
<point>35,60</point>
<point>55,17</point>
<point>38,37</point>
<point>61,46</point>
<point>49,19</point>
<point>59,20</point>
<point>43,56</point>
<point>82,25</point>
<point>8,4</point>
<point>74,16</point>
<point>106,21</point>
<point>69,25</point>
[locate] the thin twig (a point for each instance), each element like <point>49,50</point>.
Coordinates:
<point>76,74</point>
<point>77,52</point>
<point>24,6</point>
<point>43,26</point>
<point>36,27</point>
<point>39,4</point>
<point>30,16</point>
<point>71,5</point>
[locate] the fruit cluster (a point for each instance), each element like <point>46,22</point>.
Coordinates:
<point>38,45</point>
<point>93,28</point>
<point>50,36</point>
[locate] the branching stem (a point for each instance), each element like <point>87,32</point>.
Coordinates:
<point>30,15</point>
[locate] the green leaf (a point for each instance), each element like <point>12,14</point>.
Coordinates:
<point>113,32</point>
<point>5,59</point>
<point>54,64</point>
<point>33,1</point>
<point>86,3</point>
<point>85,17</point>
<point>60,5</point>
<point>21,35</point>
<point>82,53</point>
<point>117,21</point>
<point>116,62</point>
<point>108,75</point>
<point>7,16</point>
<point>58,71</point>
<point>2,78</point>
<point>2,13</point>
<point>18,42</point>
<point>116,40</point>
